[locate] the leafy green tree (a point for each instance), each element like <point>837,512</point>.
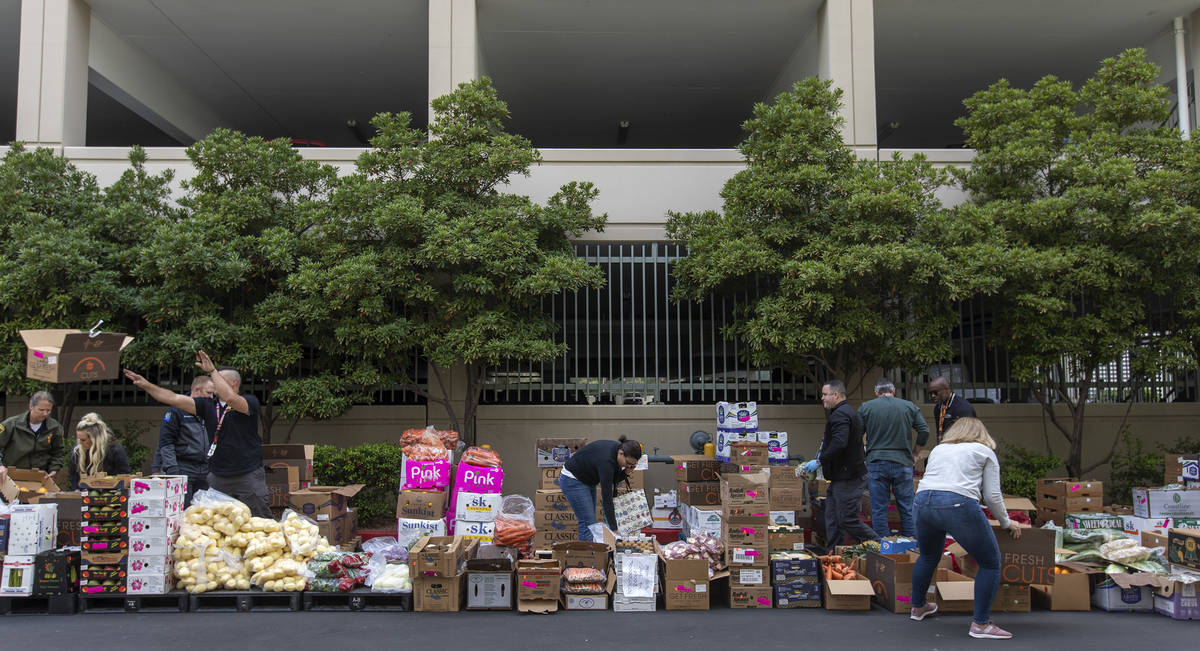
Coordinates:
<point>423,253</point>
<point>66,251</point>
<point>1097,202</point>
<point>245,221</point>
<point>849,265</point>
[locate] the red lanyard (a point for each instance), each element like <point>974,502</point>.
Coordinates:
<point>221,413</point>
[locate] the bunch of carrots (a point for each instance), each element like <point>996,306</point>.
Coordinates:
<point>836,569</point>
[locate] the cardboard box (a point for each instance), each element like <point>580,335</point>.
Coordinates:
<point>282,479</point>
<point>159,486</point>
<point>555,452</point>
<point>749,455</point>
<point>585,601</point>
<point>73,355</point>
<point>150,583</point>
<point>17,576</point>
<point>951,591</point>
<point>555,520</point>
<point>751,597</point>
<point>798,595</point>
<point>789,539</point>
<point>323,502</point>
<point>891,577</point>
<point>1153,539</point>
<point>785,477</point>
<point>801,570</point>
<point>439,594</point>
<point>747,535</point>
<point>1178,600</point>
<point>1183,548</point>
<point>1055,488</point>
<point>582,554</point>
<point>1135,525</point>
<point>1181,468</point>
<point>702,493</point>
<point>1162,503</point>
<point>777,446</point>
<point>539,579</point>
<point>685,582</point>
<point>548,479</point>
<point>421,505</point>
<point>787,499</point>
<point>56,572</point>
<point>1119,593</point>
<point>624,604</point>
<point>546,501</point>
<point>33,529</point>
<point>547,539</point>
<point>749,577</point>
<point>783,518</point>
<point>747,555</point>
<point>156,507</point>
<point>1014,598</point>
<point>29,484</point>
<point>298,456</point>
<point>150,564</point>
<point>897,545</point>
<point>855,594</point>
<point>482,532</point>
<point>408,529</point>
<point>490,583</point>
<point>443,556</point>
<point>1092,521</point>
<point>1069,592</point>
<point>424,475</point>
<point>1026,561</point>
<point>696,468</point>
<point>70,517</point>
<point>477,507</point>
<point>745,490</point>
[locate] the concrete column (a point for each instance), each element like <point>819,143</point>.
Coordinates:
<point>846,54</point>
<point>453,46</point>
<point>52,73</point>
<point>1193,55</point>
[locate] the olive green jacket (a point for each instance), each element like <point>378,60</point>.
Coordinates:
<point>20,447</point>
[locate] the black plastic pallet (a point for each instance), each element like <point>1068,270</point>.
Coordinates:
<point>244,601</point>
<point>359,600</point>
<point>172,602</point>
<point>66,604</point>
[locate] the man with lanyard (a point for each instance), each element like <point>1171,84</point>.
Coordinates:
<point>183,443</point>
<point>947,407</point>
<point>235,454</point>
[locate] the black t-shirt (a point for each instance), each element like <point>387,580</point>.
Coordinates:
<point>239,449</point>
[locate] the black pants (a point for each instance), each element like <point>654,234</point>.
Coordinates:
<point>250,489</point>
<point>843,503</point>
<point>195,483</point>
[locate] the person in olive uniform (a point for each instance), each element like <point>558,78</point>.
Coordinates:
<point>33,439</point>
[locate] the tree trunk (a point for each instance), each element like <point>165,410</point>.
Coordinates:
<point>69,396</point>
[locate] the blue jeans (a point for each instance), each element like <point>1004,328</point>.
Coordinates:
<point>942,512</point>
<point>887,478</point>
<point>582,499</point>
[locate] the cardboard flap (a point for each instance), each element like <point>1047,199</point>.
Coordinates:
<point>1014,503</point>
<point>9,490</point>
<point>853,587</point>
<point>1082,568</point>
<point>45,339</point>
<point>493,558</point>
<point>345,491</point>
<point>1141,579</point>
<point>538,606</point>
<point>104,342</point>
<point>956,590</point>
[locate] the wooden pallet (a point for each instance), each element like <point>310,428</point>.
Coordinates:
<point>359,600</point>
<point>172,602</point>
<point>66,604</point>
<point>244,601</point>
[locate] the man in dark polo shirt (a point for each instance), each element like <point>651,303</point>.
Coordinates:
<point>235,451</point>
<point>947,407</point>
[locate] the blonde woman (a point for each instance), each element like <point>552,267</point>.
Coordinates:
<point>962,471</point>
<point>96,450</point>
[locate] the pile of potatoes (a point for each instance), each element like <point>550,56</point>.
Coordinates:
<point>220,546</point>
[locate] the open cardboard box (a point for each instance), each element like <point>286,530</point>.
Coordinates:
<point>73,355</point>
<point>323,502</point>
<point>686,582</point>
<point>539,582</point>
<point>1072,591</point>
<point>855,594</point>
<point>588,554</point>
<point>26,484</point>
<point>441,555</point>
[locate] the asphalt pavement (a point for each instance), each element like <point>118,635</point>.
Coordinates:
<point>720,629</point>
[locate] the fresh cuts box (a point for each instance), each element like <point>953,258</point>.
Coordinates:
<point>1162,503</point>
<point>444,556</point>
<point>421,505</point>
<point>282,479</point>
<point>298,456</point>
<point>70,518</point>
<point>323,502</point>
<point>696,468</point>
<point>439,594</point>
<point>700,493</point>
<point>1014,598</point>
<point>1025,561</point>
<point>73,355</point>
<point>891,578</point>
<point>555,452</point>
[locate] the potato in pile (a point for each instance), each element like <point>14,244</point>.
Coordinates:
<point>220,546</point>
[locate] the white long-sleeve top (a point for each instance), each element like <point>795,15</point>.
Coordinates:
<point>969,469</point>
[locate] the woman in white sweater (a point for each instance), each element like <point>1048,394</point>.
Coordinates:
<point>961,472</point>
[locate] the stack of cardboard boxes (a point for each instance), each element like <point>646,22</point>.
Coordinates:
<point>289,468</point>
<point>796,582</point>
<point>32,530</point>
<point>490,578</point>
<point>746,517</point>
<point>438,567</point>
<point>104,563</point>
<point>476,500</point>
<point>538,583</point>
<point>1182,469</point>
<point>554,520</point>
<point>329,507</point>
<point>155,515</point>
<point>419,513</point>
<point>1059,496</point>
<point>636,564</point>
<point>698,491</point>
<point>586,554</point>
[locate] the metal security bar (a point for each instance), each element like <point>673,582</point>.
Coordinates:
<point>629,343</point>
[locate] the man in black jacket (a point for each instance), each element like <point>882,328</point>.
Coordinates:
<point>183,442</point>
<point>947,407</point>
<point>843,461</point>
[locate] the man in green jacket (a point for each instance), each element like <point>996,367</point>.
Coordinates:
<point>889,422</point>
<point>32,439</point>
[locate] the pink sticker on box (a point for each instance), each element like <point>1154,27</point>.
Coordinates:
<point>751,552</point>
<point>529,584</point>
<point>680,588</point>
<point>747,531</point>
<point>1075,488</point>
<point>903,598</point>
<point>764,601</point>
<point>38,354</point>
<point>751,493</point>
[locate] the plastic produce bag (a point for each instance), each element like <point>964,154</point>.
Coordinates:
<point>598,530</point>
<point>515,524</point>
<point>302,535</point>
<point>479,456</point>
<point>638,575</point>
